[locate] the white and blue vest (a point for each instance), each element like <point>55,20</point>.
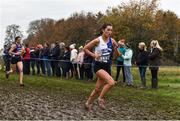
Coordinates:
<point>104,49</point>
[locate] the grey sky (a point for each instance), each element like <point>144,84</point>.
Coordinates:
<point>21,12</point>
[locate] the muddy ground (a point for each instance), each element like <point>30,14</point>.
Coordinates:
<point>30,103</point>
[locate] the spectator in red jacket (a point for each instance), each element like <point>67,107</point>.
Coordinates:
<point>26,60</point>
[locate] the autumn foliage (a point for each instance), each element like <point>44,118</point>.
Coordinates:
<point>135,21</point>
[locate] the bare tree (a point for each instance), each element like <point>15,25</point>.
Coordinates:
<point>12,31</point>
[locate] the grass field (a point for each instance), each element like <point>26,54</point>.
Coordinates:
<point>122,102</point>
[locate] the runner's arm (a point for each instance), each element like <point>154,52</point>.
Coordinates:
<point>116,51</point>
<point>89,47</point>
<point>13,46</point>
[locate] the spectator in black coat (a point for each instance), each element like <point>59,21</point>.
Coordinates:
<point>66,62</point>
<point>154,62</point>
<point>52,59</point>
<point>55,57</point>
<point>37,59</point>
<point>142,62</point>
<point>88,61</point>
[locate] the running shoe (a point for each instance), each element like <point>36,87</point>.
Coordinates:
<point>22,85</point>
<point>101,103</point>
<point>88,107</point>
<point>7,75</point>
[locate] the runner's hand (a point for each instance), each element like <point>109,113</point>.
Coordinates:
<point>97,56</point>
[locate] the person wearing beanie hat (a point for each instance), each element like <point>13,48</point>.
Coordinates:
<point>73,58</point>
<point>72,46</point>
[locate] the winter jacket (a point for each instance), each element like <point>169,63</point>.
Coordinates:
<point>73,56</point>
<point>127,57</point>
<point>80,57</point>
<point>154,58</point>
<point>55,53</point>
<point>142,58</point>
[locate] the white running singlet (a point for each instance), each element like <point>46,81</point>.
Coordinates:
<point>104,49</point>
